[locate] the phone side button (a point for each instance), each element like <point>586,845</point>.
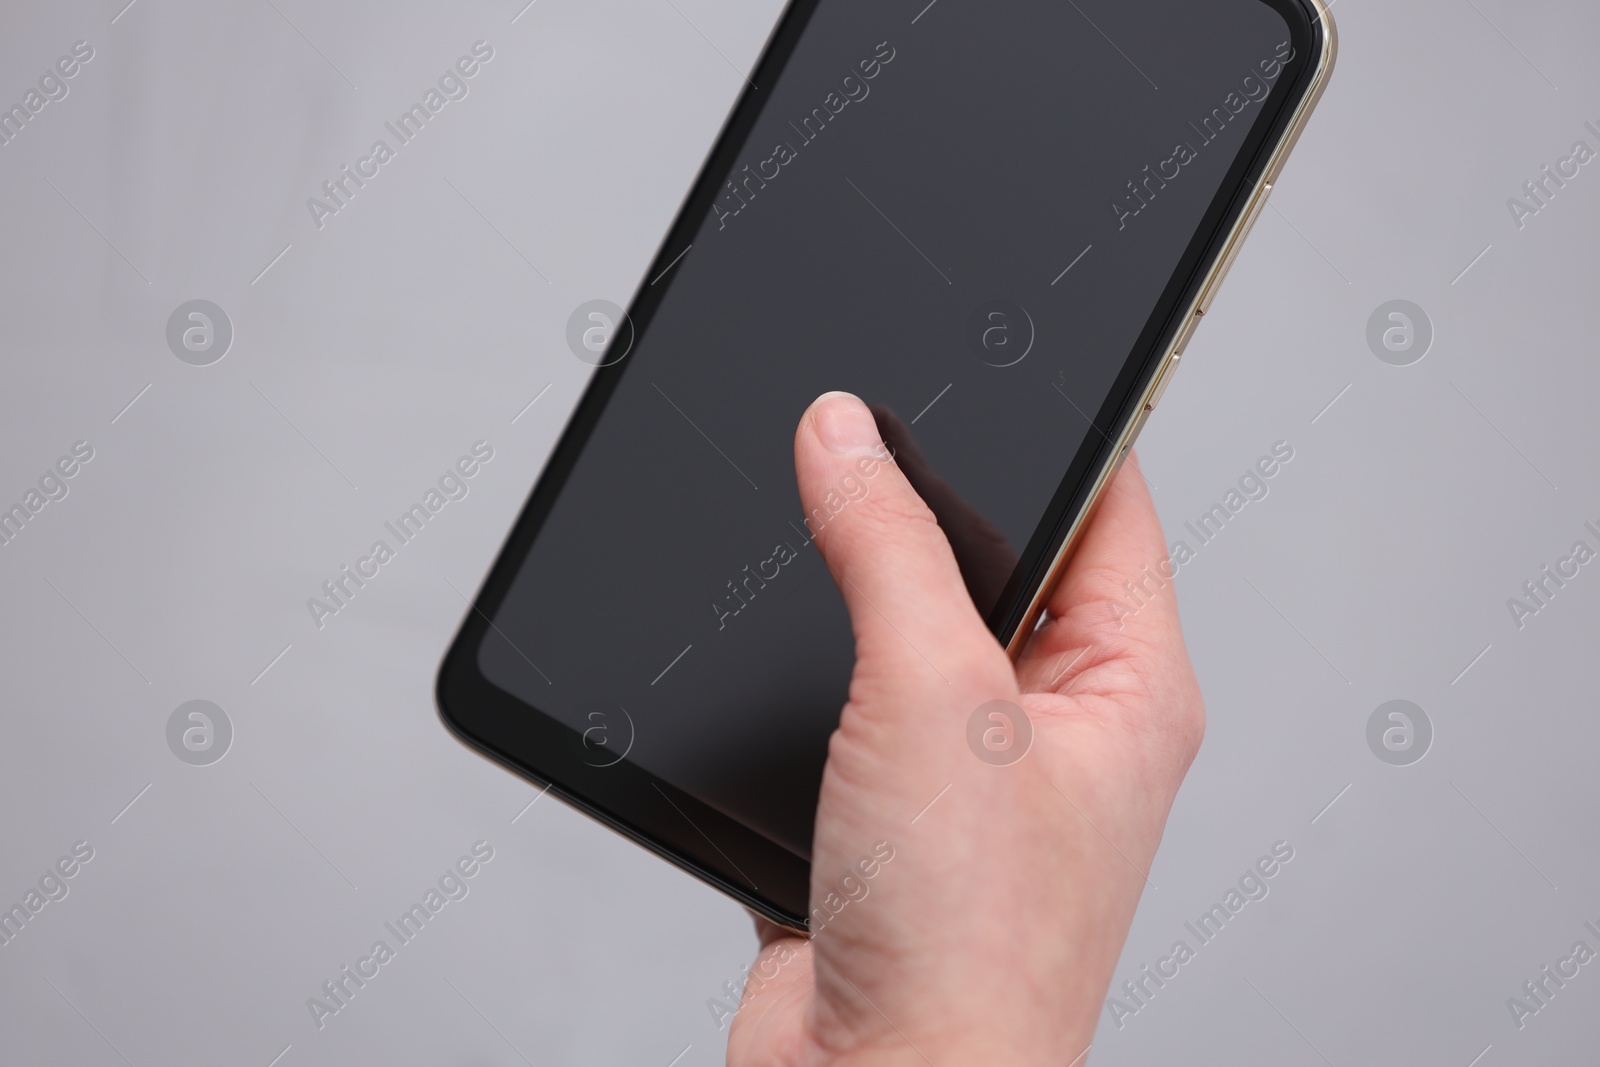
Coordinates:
<point>1133,436</point>
<point>1187,333</point>
<point>1161,383</point>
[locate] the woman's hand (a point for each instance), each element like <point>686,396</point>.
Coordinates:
<point>990,935</point>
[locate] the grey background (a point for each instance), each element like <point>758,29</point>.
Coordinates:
<point>178,565</point>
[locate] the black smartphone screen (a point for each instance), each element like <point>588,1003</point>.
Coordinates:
<point>977,217</point>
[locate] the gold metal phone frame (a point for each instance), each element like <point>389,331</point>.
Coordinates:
<point>1196,311</point>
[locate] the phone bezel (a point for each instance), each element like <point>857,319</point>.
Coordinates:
<point>759,873</point>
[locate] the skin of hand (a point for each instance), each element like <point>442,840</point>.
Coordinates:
<point>991,935</point>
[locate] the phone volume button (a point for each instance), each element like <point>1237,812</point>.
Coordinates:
<point>1162,382</point>
<point>1133,435</point>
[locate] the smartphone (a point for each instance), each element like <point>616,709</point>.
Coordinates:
<point>997,223</point>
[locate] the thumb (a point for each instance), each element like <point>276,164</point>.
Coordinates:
<point>982,552</point>
<point>908,606</point>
